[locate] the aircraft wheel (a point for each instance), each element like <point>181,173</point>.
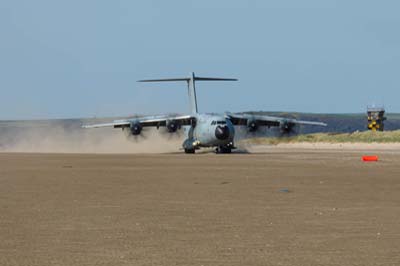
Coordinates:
<point>223,150</point>
<point>190,151</point>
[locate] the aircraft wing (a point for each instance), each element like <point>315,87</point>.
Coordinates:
<point>270,121</point>
<point>147,121</point>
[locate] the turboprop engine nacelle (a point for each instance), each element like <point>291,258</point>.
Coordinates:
<point>287,127</point>
<point>172,126</point>
<point>136,128</point>
<point>252,126</point>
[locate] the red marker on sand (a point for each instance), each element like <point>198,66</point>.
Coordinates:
<point>370,158</point>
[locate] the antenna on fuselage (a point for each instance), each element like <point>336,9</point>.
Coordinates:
<point>191,80</point>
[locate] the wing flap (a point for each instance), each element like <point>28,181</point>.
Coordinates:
<point>116,123</point>
<point>270,121</point>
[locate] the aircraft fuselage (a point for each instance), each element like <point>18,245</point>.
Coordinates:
<point>210,131</point>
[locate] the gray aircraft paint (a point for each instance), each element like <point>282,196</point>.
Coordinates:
<point>204,132</point>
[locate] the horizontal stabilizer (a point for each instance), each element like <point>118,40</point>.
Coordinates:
<point>161,80</point>
<point>214,79</point>
<point>194,78</point>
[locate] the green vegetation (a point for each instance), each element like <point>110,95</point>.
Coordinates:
<point>393,116</point>
<point>355,137</point>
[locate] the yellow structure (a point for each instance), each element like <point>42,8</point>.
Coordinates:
<point>376,118</point>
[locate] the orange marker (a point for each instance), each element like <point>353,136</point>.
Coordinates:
<point>370,158</point>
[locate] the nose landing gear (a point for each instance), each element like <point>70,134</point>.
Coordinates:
<point>190,151</point>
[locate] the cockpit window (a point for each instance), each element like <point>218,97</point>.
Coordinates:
<point>223,122</point>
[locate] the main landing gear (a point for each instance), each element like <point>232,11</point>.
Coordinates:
<point>188,146</point>
<point>190,151</point>
<point>223,149</point>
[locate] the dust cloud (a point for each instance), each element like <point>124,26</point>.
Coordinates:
<point>67,136</point>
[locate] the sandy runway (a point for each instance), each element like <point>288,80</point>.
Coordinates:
<point>286,207</point>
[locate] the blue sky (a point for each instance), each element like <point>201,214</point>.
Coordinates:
<point>64,59</point>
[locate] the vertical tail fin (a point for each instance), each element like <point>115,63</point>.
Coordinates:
<point>192,94</point>
<point>191,80</point>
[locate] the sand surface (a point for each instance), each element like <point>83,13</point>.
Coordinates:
<point>281,207</point>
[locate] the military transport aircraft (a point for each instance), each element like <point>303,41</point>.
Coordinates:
<point>204,130</point>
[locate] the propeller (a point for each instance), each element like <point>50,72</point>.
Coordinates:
<point>287,128</point>
<point>250,130</point>
<point>134,132</point>
<point>134,137</point>
<point>172,129</point>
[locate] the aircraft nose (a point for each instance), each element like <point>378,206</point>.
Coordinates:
<point>221,132</point>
